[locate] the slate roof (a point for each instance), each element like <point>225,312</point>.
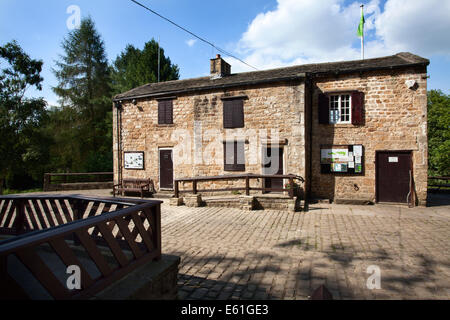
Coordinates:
<point>400,60</point>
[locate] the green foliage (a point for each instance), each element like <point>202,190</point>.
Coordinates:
<point>22,144</point>
<point>135,67</point>
<point>83,125</point>
<point>439,133</point>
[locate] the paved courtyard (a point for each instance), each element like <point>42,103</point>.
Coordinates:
<point>233,254</point>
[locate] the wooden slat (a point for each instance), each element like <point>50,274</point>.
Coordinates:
<point>113,245</point>
<point>68,257</point>
<point>47,212</point>
<point>39,214</point>
<point>56,212</point>
<point>123,226</point>
<point>30,213</point>
<point>4,208</point>
<point>142,232</point>
<point>42,273</point>
<point>10,214</point>
<point>94,252</point>
<point>65,210</point>
<point>94,208</point>
<point>106,208</point>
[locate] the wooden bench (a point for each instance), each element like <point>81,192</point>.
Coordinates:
<point>134,185</point>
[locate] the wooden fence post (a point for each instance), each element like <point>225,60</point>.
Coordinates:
<point>177,191</point>
<point>291,187</point>
<point>46,182</point>
<point>247,185</point>
<point>19,223</point>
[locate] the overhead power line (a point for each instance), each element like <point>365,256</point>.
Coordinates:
<point>193,34</point>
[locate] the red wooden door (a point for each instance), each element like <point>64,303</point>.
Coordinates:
<point>393,176</point>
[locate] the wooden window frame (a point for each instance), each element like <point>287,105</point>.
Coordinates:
<point>234,166</point>
<point>340,107</point>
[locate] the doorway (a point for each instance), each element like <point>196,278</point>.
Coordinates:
<point>273,164</point>
<point>165,169</point>
<point>393,176</point>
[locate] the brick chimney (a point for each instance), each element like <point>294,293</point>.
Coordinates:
<point>219,67</point>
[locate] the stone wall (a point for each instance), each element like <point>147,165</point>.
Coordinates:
<point>197,134</point>
<point>395,119</point>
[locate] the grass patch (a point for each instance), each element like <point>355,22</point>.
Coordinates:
<point>12,191</point>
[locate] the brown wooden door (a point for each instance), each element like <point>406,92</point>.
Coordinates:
<point>166,169</point>
<point>393,176</point>
<point>273,183</point>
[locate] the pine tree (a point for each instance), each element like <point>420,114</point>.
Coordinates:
<point>135,67</point>
<point>84,85</point>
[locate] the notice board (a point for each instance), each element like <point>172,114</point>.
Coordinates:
<point>346,159</point>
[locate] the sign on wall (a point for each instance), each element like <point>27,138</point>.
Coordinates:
<point>134,160</point>
<point>342,159</point>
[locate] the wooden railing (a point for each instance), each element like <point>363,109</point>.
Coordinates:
<point>247,177</point>
<point>116,236</point>
<point>439,183</point>
<point>57,181</point>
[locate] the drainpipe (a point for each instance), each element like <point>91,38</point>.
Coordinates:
<point>310,121</point>
<point>118,105</point>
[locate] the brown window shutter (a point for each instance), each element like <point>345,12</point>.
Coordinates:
<point>228,165</point>
<point>228,114</point>
<point>357,108</point>
<point>239,156</point>
<point>237,163</point>
<point>238,114</point>
<point>161,112</point>
<point>324,109</point>
<point>169,112</point>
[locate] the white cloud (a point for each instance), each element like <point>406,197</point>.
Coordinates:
<point>308,31</point>
<point>191,42</point>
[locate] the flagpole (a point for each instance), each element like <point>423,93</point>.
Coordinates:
<point>362,38</point>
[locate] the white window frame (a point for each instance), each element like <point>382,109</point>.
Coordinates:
<point>340,108</point>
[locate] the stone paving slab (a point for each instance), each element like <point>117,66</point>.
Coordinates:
<point>227,253</point>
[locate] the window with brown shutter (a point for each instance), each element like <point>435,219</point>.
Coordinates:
<point>234,156</point>
<point>343,108</point>
<point>165,112</point>
<point>233,113</point>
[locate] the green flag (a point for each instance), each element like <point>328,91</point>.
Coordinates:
<point>361,26</point>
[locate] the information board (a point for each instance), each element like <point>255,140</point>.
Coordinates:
<point>347,159</point>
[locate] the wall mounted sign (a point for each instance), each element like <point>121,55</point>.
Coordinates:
<point>393,159</point>
<point>347,159</point>
<point>134,160</point>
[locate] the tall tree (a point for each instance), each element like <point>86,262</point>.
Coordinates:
<point>439,133</point>
<point>84,86</point>
<point>20,117</point>
<point>135,67</point>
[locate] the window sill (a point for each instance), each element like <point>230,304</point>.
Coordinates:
<point>342,125</point>
<point>165,125</point>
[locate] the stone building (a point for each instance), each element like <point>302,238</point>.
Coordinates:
<point>355,130</point>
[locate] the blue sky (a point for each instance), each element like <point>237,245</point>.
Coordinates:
<point>264,33</point>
